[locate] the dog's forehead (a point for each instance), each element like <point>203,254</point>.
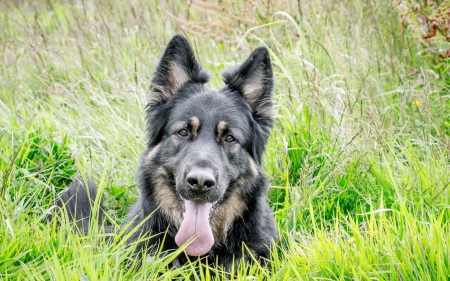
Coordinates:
<point>212,106</point>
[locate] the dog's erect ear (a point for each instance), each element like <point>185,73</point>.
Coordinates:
<point>254,80</point>
<point>176,67</point>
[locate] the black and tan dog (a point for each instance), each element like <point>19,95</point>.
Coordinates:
<point>200,178</point>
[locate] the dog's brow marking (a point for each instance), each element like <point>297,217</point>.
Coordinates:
<point>221,126</point>
<point>225,214</point>
<point>195,124</point>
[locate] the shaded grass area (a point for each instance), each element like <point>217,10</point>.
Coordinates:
<point>358,159</point>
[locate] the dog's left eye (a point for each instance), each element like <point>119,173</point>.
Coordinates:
<point>182,132</point>
<point>230,138</point>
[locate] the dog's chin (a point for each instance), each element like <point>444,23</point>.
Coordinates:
<point>195,230</point>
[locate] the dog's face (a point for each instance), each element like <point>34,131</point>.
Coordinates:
<point>209,136</point>
<point>205,145</point>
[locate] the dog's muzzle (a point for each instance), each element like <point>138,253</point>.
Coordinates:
<point>199,194</point>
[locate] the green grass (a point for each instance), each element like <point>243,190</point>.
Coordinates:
<point>358,160</point>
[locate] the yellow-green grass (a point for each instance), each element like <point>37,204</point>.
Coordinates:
<point>358,160</point>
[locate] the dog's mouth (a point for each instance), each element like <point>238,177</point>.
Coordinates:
<point>211,210</point>
<point>195,227</point>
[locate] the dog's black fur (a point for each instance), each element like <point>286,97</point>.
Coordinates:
<point>204,155</point>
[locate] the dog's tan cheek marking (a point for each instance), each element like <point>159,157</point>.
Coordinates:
<point>235,148</point>
<point>195,124</point>
<point>166,199</point>
<point>253,166</point>
<point>149,157</point>
<point>225,214</point>
<point>175,140</point>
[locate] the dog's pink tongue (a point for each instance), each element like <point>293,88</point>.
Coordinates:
<point>196,225</point>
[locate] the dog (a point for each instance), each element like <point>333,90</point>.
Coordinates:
<point>200,179</point>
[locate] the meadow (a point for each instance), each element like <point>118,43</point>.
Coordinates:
<point>358,159</point>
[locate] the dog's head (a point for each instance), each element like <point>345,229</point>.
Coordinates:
<point>205,145</point>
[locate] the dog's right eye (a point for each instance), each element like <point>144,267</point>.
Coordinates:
<point>183,132</point>
<point>230,138</point>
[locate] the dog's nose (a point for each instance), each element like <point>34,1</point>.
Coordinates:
<point>200,180</point>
